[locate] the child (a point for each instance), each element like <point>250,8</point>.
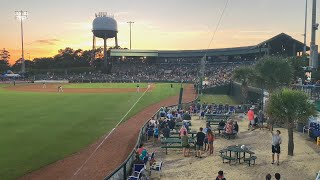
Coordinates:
<point>220,176</point>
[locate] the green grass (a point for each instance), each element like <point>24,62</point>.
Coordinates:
<point>106,85</point>
<point>37,129</point>
<point>218,99</point>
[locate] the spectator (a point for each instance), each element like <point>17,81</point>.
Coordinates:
<point>229,128</point>
<point>186,116</point>
<point>166,132</point>
<point>235,127</point>
<point>144,156</point>
<point>206,145</point>
<point>221,125</point>
<point>199,144</point>
<point>140,149</point>
<point>171,124</point>
<point>156,133</point>
<point>260,118</point>
<point>182,131</point>
<point>277,176</point>
<point>185,144</point>
<point>251,118</point>
<point>149,132</point>
<point>276,141</point>
<point>268,177</point>
<point>137,159</point>
<point>169,115</point>
<point>210,141</point>
<point>220,176</point>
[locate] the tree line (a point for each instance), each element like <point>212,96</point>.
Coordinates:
<point>67,58</point>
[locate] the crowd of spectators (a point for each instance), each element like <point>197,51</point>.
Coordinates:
<point>215,74</point>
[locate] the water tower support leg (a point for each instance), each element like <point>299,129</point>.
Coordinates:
<point>116,39</point>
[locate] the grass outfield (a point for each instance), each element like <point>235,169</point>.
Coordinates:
<point>106,85</point>
<point>218,99</point>
<point>37,129</point>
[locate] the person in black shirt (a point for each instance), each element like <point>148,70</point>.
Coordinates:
<point>221,125</point>
<point>199,144</point>
<point>235,127</point>
<point>171,124</point>
<point>166,132</point>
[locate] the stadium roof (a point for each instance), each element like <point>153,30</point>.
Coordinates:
<point>282,37</point>
<point>281,43</point>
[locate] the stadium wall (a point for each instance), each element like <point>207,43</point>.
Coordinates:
<point>223,90</point>
<point>254,94</point>
<point>234,89</point>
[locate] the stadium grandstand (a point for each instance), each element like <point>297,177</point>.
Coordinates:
<point>180,65</point>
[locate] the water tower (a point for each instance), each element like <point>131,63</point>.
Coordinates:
<point>104,26</point>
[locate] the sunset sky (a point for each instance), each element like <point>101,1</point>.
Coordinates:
<point>165,24</point>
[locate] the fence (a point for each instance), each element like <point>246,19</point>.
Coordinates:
<point>312,91</point>
<point>123,170</point>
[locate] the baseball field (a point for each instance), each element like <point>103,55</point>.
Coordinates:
<point>39,126</point>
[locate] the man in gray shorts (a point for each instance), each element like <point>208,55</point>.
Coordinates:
<point>276,141</point>
<point>199,144</point>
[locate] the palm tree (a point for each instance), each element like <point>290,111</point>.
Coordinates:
<point>274,72</point>
<point>289,107</point>
<point>244,75</point>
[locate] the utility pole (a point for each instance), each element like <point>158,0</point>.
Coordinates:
<point>21,16</point>
<point>130,23</point>
<point>313,61</point>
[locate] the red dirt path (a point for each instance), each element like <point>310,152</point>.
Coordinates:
<point>54,88</point>
<point>112,152</point>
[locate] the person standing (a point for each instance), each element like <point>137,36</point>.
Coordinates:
<point>166,131</point>
<point>199,144</point>
<point>250,118</point>
<point>185,144</point>
<point>156,133</point>
<point>210,136</point>
<point>260,118</point>
<point>138,88</point>
<point>276,141</point>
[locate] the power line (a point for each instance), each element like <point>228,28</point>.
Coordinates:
<point>215,31</point>
<point>202,62</point>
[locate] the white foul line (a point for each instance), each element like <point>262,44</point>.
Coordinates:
<point>109,134</point>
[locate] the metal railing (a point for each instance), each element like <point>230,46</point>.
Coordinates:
<point>121,173</point>
<point>311,90</point>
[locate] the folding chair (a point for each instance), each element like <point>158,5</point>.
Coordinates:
<point>156,166</point>
<point>137,174</point>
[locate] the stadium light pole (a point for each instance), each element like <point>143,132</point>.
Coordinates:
<point>130,24</point>
<point>305,29</point>
<point>21,16</point>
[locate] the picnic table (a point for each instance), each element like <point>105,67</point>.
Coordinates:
<point>169,142</point>
<point>217,116</point>
<point>191,132</point>
<point>237,150</point>
<point>213,121</point>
